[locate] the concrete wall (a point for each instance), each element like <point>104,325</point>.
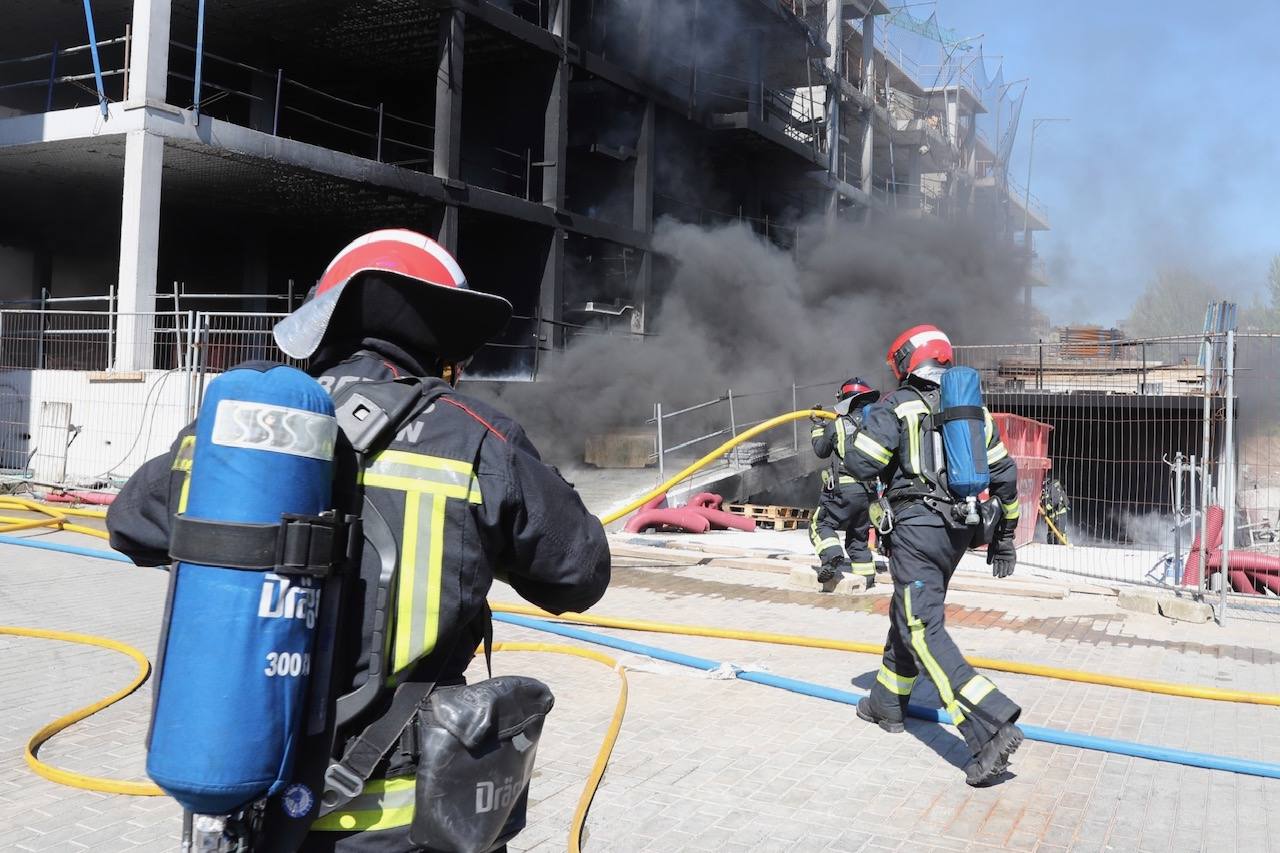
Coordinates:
<point>120,424</point>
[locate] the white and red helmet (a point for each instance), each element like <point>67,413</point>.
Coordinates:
<point>917,346</point>
<point>456,319</point>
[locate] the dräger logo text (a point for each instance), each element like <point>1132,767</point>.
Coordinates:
<point>283,598</point>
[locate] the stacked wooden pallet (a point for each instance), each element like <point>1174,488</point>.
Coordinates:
<point>772,517</point>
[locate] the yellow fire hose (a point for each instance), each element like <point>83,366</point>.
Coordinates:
<point>610,518</point>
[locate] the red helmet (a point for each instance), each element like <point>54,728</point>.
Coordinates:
<point>854,394</point>
<point>915,346</point>
<point>426,298</point>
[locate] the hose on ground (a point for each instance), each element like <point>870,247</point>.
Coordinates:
<point>1191,691</point>
<point>847,697</point>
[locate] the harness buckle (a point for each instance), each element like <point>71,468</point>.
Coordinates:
<point>340,786</point>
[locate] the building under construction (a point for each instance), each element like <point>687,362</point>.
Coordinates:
<point>155,152</point>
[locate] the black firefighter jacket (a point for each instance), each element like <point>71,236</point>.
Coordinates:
<point>467,498</point>
<point>899,441</point>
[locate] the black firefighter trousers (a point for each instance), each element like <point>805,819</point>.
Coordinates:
<point>844,509</point>
<point>924,554</point>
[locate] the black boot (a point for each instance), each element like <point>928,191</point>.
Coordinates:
<point>887,717</point>
<point>992,759</point>
<point>831,570</point>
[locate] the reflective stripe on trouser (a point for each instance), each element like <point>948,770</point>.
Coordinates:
<point>924,557</point>
<point>844,509</point>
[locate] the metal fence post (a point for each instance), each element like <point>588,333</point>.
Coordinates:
<point>1193,473</point>
<point>1177,517</point>
<point>44,298</point>
<point>378,153</point>
<point>657,417</point>
<point>733,423</point>
<point>275,120</point>
<point>111,325</point>
<point>1227,473</point>
<point>1206,444</point>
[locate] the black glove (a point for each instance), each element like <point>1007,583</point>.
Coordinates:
<point>1002,557</point>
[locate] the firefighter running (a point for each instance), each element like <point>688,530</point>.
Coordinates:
<point>463,492</point>
<point>845,499</point>
<point>899,441</point>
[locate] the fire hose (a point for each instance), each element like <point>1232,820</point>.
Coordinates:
<point>518,614</point>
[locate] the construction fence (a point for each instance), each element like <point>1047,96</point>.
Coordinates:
<point>1162,460</point>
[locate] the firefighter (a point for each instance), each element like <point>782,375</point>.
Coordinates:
<point>898,441</point>
<point>395,304</point>
<point>845,499</point>
<point>1054,505</point>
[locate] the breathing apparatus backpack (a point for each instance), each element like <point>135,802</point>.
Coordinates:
<point>961,472</point>
<point>249,703</point>
<point>255,546</point>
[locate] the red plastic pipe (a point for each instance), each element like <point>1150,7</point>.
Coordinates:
<point>707,499</point>
<point>680,520</point>
<point>721,520</point>
<point>1191,572</point>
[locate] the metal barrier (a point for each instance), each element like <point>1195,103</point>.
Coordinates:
<point>1169,453</point>
<point>691,430</point>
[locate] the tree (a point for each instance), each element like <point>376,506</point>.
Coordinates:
<point>1173,304</point>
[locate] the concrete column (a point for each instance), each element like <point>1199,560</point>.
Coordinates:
<point>139,246</point>
<point>642,210</point>
<point>835,65</point>
<point>551,293</point>
<point>555,138</point>
<point>447,161</point>
<point>149,51</point>
<point>869,89</point>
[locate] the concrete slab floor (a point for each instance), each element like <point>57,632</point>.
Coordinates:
<point>705,764</point>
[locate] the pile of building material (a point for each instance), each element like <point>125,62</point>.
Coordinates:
<point>748,453</point>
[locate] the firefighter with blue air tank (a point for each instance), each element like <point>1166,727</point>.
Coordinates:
<point>451,495</point>
<point>845,500</point>
<point>926,527</point>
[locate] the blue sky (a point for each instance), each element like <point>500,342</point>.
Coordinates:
<point>1172,154</point>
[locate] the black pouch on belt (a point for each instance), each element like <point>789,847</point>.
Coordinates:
<point>984,533</point>
<point>476,747</point>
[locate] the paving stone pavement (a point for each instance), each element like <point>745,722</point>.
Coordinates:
<point>710,764</point>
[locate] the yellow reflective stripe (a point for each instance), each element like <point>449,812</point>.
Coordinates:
<point>840,436</point>
<point>470,493</point>
<point>895,683</point>
<point>824,544</point>
<point>846,480</point>
<point>428,482</point>
<point>872,448</point>
<point>996,453</point>
<point>1012,509</point>
<point>909,408</point>
<point>931,664</point>
<point>867,568</point>
<point>816,432</point>
<point>384,804</point>
<point>988,425</point>
<point>403,642</point>
<point>186,450</point>
<point>976,690</point>
<point>185,493</point>
<point>421,460</point>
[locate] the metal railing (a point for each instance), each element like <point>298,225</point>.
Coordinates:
<point>678,431</point>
